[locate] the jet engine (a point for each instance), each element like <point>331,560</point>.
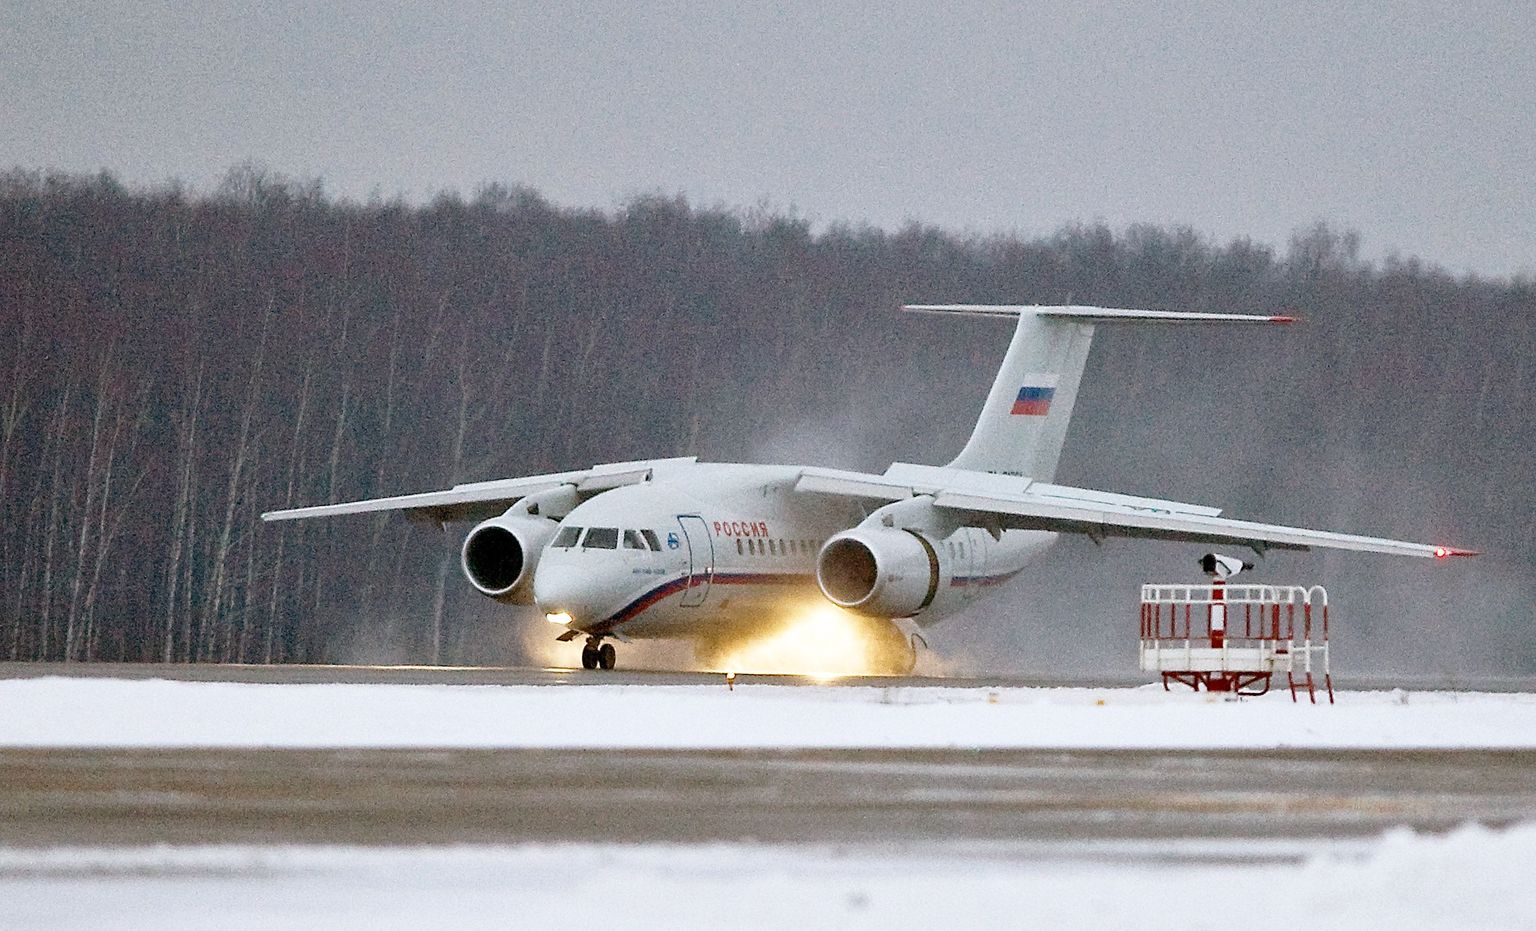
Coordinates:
<point>500,554</point>
<point>878,571</point>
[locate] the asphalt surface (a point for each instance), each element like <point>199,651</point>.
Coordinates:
<point>488,675</point>
<point>395,797</point>
<point>1256,801</point>
<point>510,675</point>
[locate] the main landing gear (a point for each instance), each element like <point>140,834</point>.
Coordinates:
<point>598,655</point>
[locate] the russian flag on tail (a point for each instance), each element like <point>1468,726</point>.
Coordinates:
<point>1033,401</point>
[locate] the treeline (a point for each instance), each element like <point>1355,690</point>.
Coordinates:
<point>174,364</point>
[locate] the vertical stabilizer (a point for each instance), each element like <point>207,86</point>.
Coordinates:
<point>1023,423</point>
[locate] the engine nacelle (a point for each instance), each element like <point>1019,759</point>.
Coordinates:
<point>881,572</point>
<point>499,555</point>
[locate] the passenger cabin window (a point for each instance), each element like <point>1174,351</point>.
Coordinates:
<point>566,538</point>
<point>650,537</point>
<point>633,540</point>
<point>739,549</point>
<point>601,538</point>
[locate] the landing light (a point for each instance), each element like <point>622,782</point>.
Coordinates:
<point>1441,552</point>
<point>560,617</point>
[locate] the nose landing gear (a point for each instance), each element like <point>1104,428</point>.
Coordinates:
<point>598,655</point>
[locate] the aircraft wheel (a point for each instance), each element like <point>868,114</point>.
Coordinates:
<point>607,656</point>
<point>589,657</point>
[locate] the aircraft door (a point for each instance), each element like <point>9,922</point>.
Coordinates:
<point>701,559</point>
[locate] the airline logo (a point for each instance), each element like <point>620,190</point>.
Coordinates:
<point>1033,401</point>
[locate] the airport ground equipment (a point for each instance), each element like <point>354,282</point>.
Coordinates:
<point>1235,638</point>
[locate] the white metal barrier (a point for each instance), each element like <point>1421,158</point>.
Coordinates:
<point>1236,637</point>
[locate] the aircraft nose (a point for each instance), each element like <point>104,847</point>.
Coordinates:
<point>567,590</point>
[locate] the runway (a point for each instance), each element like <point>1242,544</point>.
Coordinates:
<point>468,778</point>
<point>189,824</point>
<point>501,675</point>
<point>526,675</point>
<point>1266,805</point>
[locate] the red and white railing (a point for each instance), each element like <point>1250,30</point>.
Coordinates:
<point>1236,637</point>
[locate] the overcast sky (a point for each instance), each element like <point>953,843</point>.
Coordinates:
<point>1412,123</point>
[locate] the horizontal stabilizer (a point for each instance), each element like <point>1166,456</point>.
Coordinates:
<point>1092,314</point>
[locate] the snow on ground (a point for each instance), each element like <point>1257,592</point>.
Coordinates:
<point>1472,878</point>
<point>90,712</point>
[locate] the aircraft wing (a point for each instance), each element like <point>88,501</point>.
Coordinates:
<point>480,500</point>
<point>1007,502</point>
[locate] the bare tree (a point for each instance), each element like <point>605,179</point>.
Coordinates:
<point>13,565</point>
<point>243,452</point>
<point>59,493</point>
<point>103,401</point>
<point>295,460</point>
<point>181,528</point>
<point>109,520</point>
<point>17,400</point>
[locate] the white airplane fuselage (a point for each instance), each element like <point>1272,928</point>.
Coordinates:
<point>738,546</point>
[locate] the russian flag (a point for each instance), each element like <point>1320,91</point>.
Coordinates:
<point>1033,401</point>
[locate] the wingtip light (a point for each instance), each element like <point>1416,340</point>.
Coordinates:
<point>1441,552</point>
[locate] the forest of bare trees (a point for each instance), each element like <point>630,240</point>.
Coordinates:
<point>174,364</point>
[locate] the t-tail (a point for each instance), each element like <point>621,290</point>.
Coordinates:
<point>1024,420</point>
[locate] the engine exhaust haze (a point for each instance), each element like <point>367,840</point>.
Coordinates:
<point>819,640</point>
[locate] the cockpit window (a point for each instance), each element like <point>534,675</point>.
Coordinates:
<point>633,540</point>
<point>650,537</point>
<point>566,538</point>
<point>601,538</point>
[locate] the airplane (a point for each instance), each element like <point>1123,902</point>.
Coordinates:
<point>706,552</point>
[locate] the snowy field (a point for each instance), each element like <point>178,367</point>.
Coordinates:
<point>94,712</point>
<point>1472,878</point>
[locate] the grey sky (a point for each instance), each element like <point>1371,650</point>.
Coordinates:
<point>1413,123</point>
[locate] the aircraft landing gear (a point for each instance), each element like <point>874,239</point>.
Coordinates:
<point>598,655</point>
